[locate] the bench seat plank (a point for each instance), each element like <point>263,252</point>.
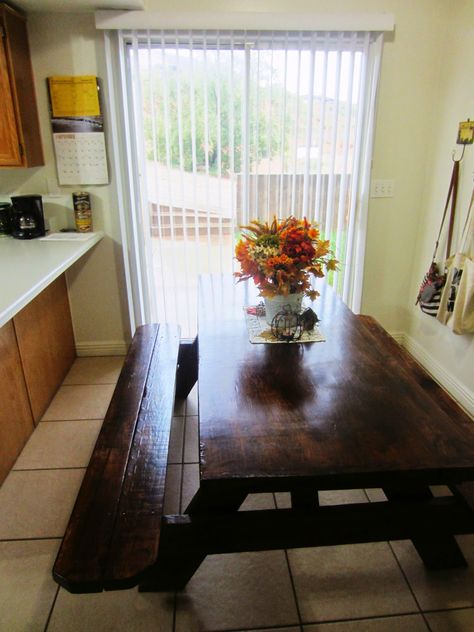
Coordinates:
<point>134,546</point>
<point>85,551</point>
<point>392,350</point>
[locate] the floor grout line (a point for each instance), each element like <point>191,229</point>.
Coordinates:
<point>259,628</point>
<point>435,610</point>
<point>388,615</point>
<point>292,582</point>
<point>397,561</point>
<point>51,610</point>
<point>293,589</point>
<point>175,604</point>
<point>409,585</point>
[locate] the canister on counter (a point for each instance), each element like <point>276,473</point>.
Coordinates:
<point>82,211</point>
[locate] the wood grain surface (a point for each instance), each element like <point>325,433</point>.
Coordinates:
<point>16,420</point>
<point>352,411</point>
<point>46,342</point>
<point>114,530</point>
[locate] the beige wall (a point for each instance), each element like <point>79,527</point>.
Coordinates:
<point>423,95</point>
<point>454,102</point>
<point>63,44</point>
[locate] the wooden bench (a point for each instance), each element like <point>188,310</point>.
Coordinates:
<point>463,491</point>
<point>114,530</point>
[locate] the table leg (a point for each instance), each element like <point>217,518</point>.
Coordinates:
<point>177,559</point>
<point>207,501</point>
<point>187,371</point>
<point>437,548</point>
<point>304,499</point>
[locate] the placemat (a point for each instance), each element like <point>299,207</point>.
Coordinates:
<point>260,332</point>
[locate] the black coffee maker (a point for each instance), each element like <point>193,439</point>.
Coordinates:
<point>27,216</point>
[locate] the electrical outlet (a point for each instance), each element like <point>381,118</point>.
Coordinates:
<point>382,188</point>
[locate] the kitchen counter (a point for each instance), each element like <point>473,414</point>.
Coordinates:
<point>28,266</point>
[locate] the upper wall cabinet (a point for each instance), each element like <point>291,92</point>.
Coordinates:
<point>20,140</point>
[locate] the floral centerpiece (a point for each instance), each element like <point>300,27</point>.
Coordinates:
<point>283,256</point>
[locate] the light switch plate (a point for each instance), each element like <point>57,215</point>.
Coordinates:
<point>382,188</point>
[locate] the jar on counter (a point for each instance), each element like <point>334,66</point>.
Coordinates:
<point>82,211</point>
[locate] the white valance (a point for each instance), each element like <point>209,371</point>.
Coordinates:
<point>244,20</point>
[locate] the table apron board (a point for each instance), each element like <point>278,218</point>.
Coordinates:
<point>186,539</point>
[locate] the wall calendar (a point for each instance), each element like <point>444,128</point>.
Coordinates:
<point>78,130</point>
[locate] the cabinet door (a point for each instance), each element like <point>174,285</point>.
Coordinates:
<point>46,342</point>
<point>16,421</point>
<point>20,137</point>
<point>9,141</point>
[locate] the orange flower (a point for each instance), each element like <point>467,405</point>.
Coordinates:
<point>282,256</point>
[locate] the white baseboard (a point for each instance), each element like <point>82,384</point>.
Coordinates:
<point>103,348</point>
<point>463,395</point>
<point>399,337</point>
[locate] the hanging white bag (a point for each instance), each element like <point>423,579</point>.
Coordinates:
<point>456,308</point>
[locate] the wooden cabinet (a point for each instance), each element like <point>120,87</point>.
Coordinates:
<point>46,343</point>
<point>36,351</point>
<point>16,420</point>
<point>20,139</point>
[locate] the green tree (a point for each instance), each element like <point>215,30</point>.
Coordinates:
<point>209,90</point>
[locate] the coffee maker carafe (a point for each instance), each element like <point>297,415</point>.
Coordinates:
<point>27,216</point>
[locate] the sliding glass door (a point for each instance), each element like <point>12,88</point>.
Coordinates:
<point>231,126</point>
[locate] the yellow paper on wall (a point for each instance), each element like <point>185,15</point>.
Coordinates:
<point>74,96</point>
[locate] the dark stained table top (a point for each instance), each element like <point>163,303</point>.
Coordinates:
<point>342,413</point>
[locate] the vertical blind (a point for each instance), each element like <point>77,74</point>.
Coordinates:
<point>229,126</point>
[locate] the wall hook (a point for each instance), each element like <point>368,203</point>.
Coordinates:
<point>462,154</point>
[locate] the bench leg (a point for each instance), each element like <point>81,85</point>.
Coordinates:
<point>172,572</point>
<point>187,371</point>
<point>437,548</point>
<point>178,559</point>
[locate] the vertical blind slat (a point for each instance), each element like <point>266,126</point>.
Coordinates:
<point>232,144</point>
<point>328,225</point>
<point>309,134</point>
<point>245,132</point>
<point>143,217</point>
<point>318,196</point>
<point>160,297</point>
<point>167,126</point>
<point>354,205</point>
<point>268,122</point>
<point>219,156</point>
<point>256,121</point>
<point>340,224</point>
<point>179,115</point>
<point>296,136</point>
<point>283,129</point>
<point>206,153</point>
<point>192,102</point>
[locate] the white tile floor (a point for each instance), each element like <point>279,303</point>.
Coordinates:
<point>363,588</point>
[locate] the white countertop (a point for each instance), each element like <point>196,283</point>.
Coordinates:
<point>28,266</point>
